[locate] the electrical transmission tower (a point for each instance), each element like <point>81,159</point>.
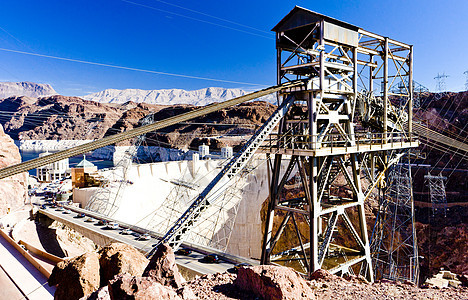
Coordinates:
<point>106,199</point>
<point>418,90</point>
<point>466,82</point>
<point>437,194</point>
<point>394,244</point>
<point>440,85</point>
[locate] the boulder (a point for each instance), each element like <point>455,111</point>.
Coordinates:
<point>163,269</point>
<point>76,277</point>
<point>120,258</point>
<point>463,279</point>
<point>273,282</point>
<point>124,286</point>
<point>101,294</point>
<point>186,293</point>
<point>323,275</point>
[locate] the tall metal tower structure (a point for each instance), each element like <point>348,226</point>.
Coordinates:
<point>322,223</point>
<point>466,82</point>
<point>436,184</point>
<point>107,198</point>
<point>418,90</point>
<point>440,83</point>
<point>394,244</point>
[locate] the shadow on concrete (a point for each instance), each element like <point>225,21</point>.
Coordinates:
<point>48,239</point>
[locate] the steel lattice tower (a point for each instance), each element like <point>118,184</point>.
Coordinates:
<point>320,222</point>
<point>436,185</point>
<point>106,199</point>
<point>440,83</point>
<point>394,244</point>
<point>466,82</point>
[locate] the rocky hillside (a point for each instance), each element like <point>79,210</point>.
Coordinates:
<point>13,190</point>
<point>169,96</point>
<point>30,89</point>
<point>443,238</point>
<point>68,118</point>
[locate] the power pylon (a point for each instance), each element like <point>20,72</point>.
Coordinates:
<point>440,83</point>
<point>437,193</point>
<point>394,244</point>
<point>466,82</point>
<point>107,199</point>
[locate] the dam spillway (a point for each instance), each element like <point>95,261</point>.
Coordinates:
<point>146,202</point>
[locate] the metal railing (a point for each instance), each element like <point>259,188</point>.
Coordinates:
<point>369,140</point>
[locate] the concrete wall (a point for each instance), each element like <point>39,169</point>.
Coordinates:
<point>141,201</point>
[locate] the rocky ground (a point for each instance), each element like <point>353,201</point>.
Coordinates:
<point>120,272</point>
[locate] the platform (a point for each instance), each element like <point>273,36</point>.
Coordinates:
<point>326,151</point>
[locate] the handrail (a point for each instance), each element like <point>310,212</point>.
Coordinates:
<point>309,142</point>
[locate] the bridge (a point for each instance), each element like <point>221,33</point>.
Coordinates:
<point>328,127</point>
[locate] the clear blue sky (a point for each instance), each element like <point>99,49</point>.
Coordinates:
<point>205,39</point>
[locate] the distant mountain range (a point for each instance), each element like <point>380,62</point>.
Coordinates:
<point>30,89</point>
<point>165,97</point>
<point>170,96</point>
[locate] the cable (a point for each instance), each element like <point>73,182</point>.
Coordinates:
<point>195,19</point>
<point>129,68</point>
<point>214,17</point>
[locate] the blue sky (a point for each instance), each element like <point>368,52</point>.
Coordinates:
<point>226,40</point>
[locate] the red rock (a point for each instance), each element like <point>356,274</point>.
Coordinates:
<point>323,274</point>
<point>125,286</point>
<point>120,258</point>
<point>273,282</point>
<point>463,279</point>
<point>163,269</point>
<point>76,277</point>
<point>186,293</point>
<point>13,189</point>
<point>100,294</point>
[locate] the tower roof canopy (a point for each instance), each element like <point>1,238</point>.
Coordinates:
<point>300,24</point>
<point>300,16</point>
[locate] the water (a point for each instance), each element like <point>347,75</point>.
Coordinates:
<point>73,161</point>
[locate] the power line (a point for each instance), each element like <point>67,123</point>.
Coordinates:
<point>195,19</point>
<point>129,68</point>
<point>214,17</point>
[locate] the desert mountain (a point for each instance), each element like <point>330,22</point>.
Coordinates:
<point>170,96</point>
<point>29,89</point>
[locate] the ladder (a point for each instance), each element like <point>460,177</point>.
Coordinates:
<point>180,229</point>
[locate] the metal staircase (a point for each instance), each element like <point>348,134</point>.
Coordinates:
<point>208,197</point>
